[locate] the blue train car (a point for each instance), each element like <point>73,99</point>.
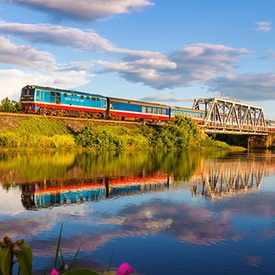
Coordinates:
<point>123,109</point>
<point>197,115</point>
<point>51,101</point>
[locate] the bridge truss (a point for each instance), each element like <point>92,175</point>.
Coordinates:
<point>223,179</point>
<point>225,115</point>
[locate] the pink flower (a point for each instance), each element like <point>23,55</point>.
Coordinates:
<point>124,269</point>
<point>54,272</point>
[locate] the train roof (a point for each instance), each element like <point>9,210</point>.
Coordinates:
<point>62,90</point>
<point>187,109</point>
<point>139,102</point>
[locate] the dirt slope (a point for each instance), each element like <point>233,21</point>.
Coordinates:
<point>10,120</point>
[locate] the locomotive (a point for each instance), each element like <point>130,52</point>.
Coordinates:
<point>58,102</point>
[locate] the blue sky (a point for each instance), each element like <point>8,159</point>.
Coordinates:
<point>153,50</point>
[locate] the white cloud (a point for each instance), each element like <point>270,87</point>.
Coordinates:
<point>263,27</point>
<point>16,79</point>
<point>84,10</point>
<point>193,64</point>
<point>58,35</point>
<point>164,98</point>
<point>251,87</point>
<point>24,55</point>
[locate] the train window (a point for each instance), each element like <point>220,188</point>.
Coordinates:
<point>52,93</point>
<point>149,110</point>
<point>154,110</point>
<point>65,95</point>
<point>87,97</point>
<point>143,109</point>
<point>58,94</point>
<point>82,97</point>
<point>97,98</point>
<point>163,111</point>
<point>93,98</point>
<point>159,111</point>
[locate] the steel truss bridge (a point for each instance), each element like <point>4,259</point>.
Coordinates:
<point>231,116</point>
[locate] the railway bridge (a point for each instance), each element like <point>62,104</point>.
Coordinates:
<point>225,115</point>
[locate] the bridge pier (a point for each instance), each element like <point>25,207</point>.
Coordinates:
<point>261,142</point>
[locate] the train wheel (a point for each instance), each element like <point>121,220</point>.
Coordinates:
<point>81,114</point>
<point>62,113</point>
<point>88,115</point>
<point>42,111</point>
<point>97,115</point>
<point>52,112</point>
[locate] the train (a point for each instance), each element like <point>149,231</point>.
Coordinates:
<point>50,101</point>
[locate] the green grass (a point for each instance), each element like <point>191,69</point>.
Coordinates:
<point>46,133</point>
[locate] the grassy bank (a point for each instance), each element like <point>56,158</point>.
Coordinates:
<point>48,133</point>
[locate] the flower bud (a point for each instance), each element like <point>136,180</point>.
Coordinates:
<point>20,241</point>
<point>16,250</point>
<point>7,240</point>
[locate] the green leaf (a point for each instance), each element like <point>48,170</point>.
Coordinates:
<point>82,272</point>
<point>24,258</point>
<point>25,263</point>
<point>5,260</point>
<point>26,249</point>
<point>74,259</point>
<point>58,246</point>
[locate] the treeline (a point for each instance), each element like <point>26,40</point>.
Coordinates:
<point>10,106</point>
<point>44,133</point>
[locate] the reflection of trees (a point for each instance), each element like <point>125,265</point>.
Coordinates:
<point>25,168</point>
<point>182,164</point>
<point>228,178</point>
<point>33,166</point>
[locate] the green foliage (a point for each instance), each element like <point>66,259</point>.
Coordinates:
<point>236,140</point>
<point>41,133</point>
<point>38,133</point>
<point>210,143</point>
<point>10,106</point>
<point>42,126</point>
<point>11,253</point>
<point>182,133</point>
<point>111,138</point>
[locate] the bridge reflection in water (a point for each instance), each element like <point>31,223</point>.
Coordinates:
<point>220,179</point>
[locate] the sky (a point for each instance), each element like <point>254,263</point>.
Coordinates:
<point>168,52</point>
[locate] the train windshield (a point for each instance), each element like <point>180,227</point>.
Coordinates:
<point>27,93</point>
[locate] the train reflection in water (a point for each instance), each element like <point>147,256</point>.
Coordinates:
<point>215,179</point>
<point>49,194</point>
<point>220,179</point>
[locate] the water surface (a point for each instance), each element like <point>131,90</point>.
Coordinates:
<point>163,213</point>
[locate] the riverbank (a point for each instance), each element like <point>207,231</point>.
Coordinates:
<point>20,131</point>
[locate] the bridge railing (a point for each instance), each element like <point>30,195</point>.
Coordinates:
<point>220,127</point>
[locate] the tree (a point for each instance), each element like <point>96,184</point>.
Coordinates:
<point>10,106</point>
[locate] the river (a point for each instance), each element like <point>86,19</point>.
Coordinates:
<point>163,213</point>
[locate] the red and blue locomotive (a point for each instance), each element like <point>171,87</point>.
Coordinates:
<point>58,102</point>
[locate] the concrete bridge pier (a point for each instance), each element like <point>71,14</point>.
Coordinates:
<point>261,142</point>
